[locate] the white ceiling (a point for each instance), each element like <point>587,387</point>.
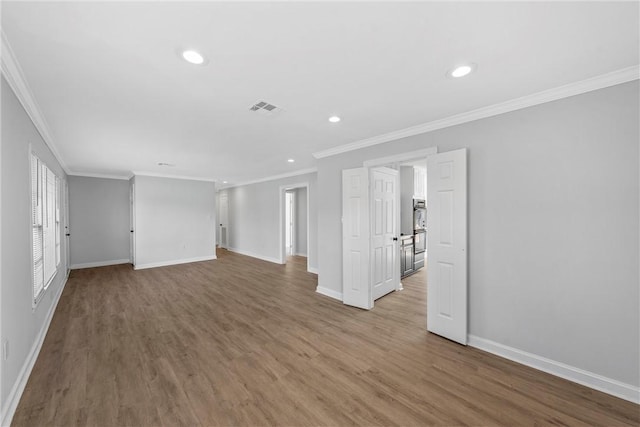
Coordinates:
<point>117,97</point>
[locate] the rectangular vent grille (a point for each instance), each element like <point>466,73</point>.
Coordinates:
<point>265,108</point>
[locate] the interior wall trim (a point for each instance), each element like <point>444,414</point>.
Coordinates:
<point>329,293</point>
<point>14,75</point>
<point>255,255</point>
<point>173,262</point>
<point>613,78</point>
<point>15,394</point>
<point>559,369</point>
<point>271,178</point>
<point>99,264</point>
<point>162,175</point>
<point>100,175</point>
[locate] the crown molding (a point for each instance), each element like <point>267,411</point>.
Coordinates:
<point>100,175</point>
<point>161,175</point>
<point>613,78</point>
<point>271,178</point>
<point>14,75</point>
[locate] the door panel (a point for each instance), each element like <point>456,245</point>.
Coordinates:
<point>224,216</point>
<point>447,245</point>
<point>384,191</point>
<point>132,224</point>
<point>356,289</point>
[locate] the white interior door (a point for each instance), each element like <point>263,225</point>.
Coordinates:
<point>224,220</point>
<point>385,274</point>
<point>289,221</point>
<point>356,287</point>
<point>447,245</point>
<point>132,223</point>
<point>67,234</point>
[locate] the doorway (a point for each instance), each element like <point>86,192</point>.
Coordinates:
<point>446,193</point>
<point>223,215</point>
<point>132,223</point>
<point>290,223</point>
<point>294,221</point>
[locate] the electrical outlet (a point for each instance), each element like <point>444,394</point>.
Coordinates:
<point>5,349</point>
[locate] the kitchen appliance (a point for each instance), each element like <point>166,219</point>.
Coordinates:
<point>419,248</point>
<point>419,233</point>
<point>419,215</point>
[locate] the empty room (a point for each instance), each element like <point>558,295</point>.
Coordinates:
<point>319,213</point>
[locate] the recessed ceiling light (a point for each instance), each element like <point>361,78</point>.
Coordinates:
<point>224,182</point>
<point>166,164</point>
<point>290,160</point>
<point>193,57</point>
<point>334,119</point>
<point>461,70</point>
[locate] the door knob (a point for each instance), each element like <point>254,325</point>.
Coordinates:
<point>395,239</point>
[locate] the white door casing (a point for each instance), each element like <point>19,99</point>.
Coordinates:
<point>385,274</point>
<point>224,220</point>
<point>447,245</point>
<point>66,225</point>
<point>132,223</point>
<point>356,287</point>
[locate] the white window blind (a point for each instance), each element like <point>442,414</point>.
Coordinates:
<point>37,230</point>
<point>49,227</point>
<point>45,225</point>
<point>57,218</point>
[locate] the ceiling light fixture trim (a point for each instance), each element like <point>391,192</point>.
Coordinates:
<point>462,70</point>
<point>193,56</point>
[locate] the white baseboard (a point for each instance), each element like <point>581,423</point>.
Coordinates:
<point>312,270</point>
<point>173,262</point>
<point>571,373</point>
<point>254,255</point>
<point>21,382</point>
<point>329,292</point>
<point>301,254</point>
<point>99,264</point>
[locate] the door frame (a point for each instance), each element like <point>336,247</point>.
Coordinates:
<point>132,222</point>
<point>396,160</point>
<point>67,232</point>
<point>282,241</point>
<point>219,215</point>
<point>292,212</point>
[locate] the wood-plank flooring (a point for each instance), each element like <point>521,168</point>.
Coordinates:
<point>243,342</point>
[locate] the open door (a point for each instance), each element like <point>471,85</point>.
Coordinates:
<point>356,289</point>
<point>447,245</point>
<point>224,220</point>
<point>67,233</point>
<point>385,268</point>
<point>132,223</point>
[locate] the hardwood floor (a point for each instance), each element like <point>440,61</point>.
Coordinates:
<point>239,341</point>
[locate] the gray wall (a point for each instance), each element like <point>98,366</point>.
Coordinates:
<point>553,227</point>
<point>98,220</point>
<point>175,220</point>
<point>301,221</point>
<point>20,322</point>
<point>254,215</point>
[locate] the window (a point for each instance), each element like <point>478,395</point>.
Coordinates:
<point>45,222</point>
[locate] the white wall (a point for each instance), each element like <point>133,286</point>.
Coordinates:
<point>98,221</point>
<point>553,227</point>
<point>175,221</point>
<point>301,221</point>
<point>22,325</point>
<point>254,215</point>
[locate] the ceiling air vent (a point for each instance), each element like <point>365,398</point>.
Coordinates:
<point>265,108</point>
